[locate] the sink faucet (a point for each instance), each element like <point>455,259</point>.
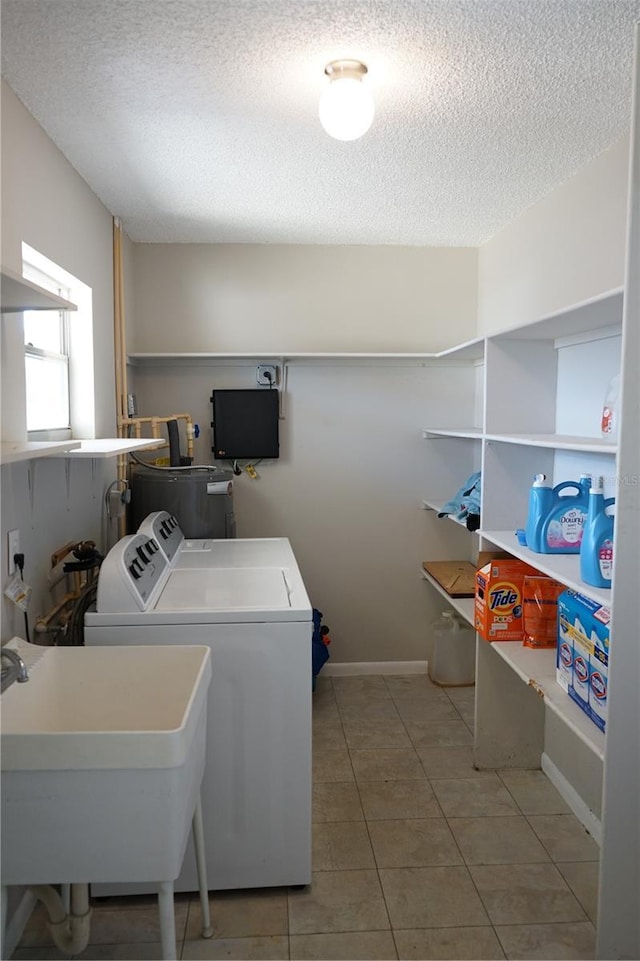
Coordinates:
<point>16,670</point>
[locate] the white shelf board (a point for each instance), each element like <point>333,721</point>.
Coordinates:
<point>470,350</point>
<point>463,605</point>
<point>18,294</point>
<point>593,445</point>
<point>473,433</point>
<point>593,314</point>
<point>537,668</point>
<point>563,567</point>
<point>112,447</point>
<point>200,358</point>
<point>435,504</point>
<point>11,452</point>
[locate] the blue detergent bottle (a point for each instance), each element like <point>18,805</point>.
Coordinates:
<point>540,504</point>
<point>561,531</point>
<point>596,552</point>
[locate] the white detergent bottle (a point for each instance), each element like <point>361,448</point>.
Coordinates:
<point>609,424</point>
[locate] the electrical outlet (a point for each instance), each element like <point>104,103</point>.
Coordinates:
<point>267,374</point>
<point>13,538</point>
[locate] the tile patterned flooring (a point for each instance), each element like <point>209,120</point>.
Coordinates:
<point>416,855</point>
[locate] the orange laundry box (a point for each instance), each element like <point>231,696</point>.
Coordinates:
<point>540,606</point>
<point>499,599</point>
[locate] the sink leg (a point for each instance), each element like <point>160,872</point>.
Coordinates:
<point>65,894</point>
<point>201,864</point>
<point>3,922</point>
<point>167,920</point>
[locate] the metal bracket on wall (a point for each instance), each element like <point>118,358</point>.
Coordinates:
<point>67,480</point>
<point>31,481</point>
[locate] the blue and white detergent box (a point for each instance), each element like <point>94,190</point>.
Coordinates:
<point>582,659</point>
<point>564,653</point>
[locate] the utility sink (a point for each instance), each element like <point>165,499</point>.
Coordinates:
<point>103,751</point>
<point>88,708</point>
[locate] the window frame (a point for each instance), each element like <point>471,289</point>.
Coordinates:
<point>59,358</point>
<point>77,344</point>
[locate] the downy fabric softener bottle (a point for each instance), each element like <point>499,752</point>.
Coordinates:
<point>596,550</point>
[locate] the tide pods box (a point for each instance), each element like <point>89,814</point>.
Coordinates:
<point>582,660</point>
<point>499,599</point>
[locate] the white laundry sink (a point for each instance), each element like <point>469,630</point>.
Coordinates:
<point>103,751</point>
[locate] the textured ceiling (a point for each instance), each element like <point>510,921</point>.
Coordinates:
<point>196,120</point>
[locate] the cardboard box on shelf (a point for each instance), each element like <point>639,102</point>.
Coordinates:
<point>499,599</point>
<point>540,605</point>
<point>485,556</point>
<point>582,661</point>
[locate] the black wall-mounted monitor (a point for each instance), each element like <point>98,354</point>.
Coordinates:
<point>245,424</point>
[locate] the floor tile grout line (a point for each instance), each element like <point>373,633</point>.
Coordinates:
<point>559,815</point>
<point>519,924</point>
<point>484,906</point>
<point>529,815</point>
<point>551,857</point>
<point>395,943</point>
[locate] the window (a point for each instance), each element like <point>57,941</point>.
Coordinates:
<point>46,339</point>
<point>59,363</point>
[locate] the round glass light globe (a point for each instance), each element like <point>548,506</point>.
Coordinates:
<point>346,108</point>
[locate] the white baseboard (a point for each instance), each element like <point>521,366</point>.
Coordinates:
<point>583,813</point>
<point>375,667</point>
<point>18,922</point>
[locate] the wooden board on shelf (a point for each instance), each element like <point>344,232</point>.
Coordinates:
<point>457,578</point>
<point>463,605</point>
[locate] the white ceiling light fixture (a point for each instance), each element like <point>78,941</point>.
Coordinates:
<point>346,106</point>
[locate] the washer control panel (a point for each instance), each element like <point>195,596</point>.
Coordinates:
<point>131,574</point>
<point>165,530</point>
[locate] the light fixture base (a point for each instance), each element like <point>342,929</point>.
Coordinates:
<point>346,68</point>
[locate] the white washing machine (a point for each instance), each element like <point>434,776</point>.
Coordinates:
<point>256,619</point>
<point>187,553</point>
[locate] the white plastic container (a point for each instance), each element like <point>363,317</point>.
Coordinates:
<point>453,661</point>
<point>609,424</point>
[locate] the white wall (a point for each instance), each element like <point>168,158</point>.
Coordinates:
<point>48,205</point>
<point>347,488</point>
<point>51,502</point>
<point>244,297</point>
<point>565,249</point>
